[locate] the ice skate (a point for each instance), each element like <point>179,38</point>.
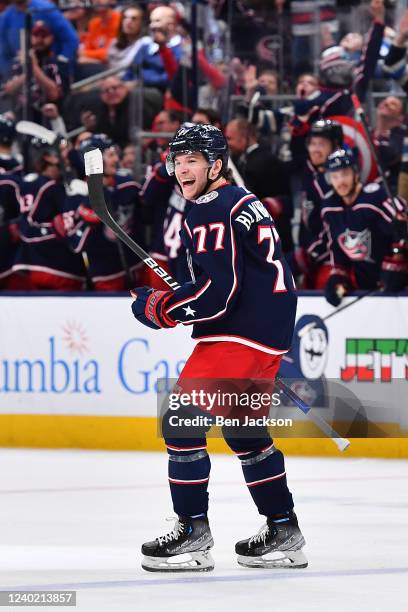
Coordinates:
<point>276,545</point>
<point>185,549</point>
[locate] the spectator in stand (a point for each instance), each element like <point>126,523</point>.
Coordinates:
<point>263,174</point>
<point>212,94</point>
<point>50,80</point>
<point>102,30</point>
<point>79,16</point>
<point>207,116</point>
<point>129,39</point>
<point>388,137</point>
<point>165,121</point>
<point>156,61</point>
<point>307,19</point>
<point>112,115</point>
<point>12,21</point>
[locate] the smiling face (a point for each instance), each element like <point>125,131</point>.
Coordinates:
<point>192,173</point>
<point>313,353</point>
<point>319,149</point>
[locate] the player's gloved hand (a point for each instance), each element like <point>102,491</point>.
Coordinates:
<point>394,274</point>
<point>87,214</point>
<point>336,287</point>
<point>149,307</point>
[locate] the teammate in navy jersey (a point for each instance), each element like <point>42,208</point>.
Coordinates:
<point>43,260</point>
<point>9,202</point>
<point>362,226</point>
<point>9,164</point>
<point>167,208</point>
<point>108,261</point>
<point>241,302</point>
<point>312,255</point>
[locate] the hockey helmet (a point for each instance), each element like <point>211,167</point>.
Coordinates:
<point>336,68</point>
<point>198,138</point>
<point>343,158</point>
<point>96,141</point>
<point>7,130</point>
<point>326,128</point>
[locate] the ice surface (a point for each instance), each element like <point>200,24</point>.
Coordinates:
<point>76,520</point>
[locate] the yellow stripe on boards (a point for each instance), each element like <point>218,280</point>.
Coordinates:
<point>140,433</point>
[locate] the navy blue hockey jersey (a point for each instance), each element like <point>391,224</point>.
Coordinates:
<point>312,236</point>
<point>242,289</point>
<point>360,235</point>
<point>104,250</point>
<point>9,212</point>
<point>166,208</point>
<point>42,249</point>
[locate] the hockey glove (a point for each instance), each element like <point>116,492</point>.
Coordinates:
<point>337,286</point>
<point>274,206</point>
<point>87,214</point>
<point>394,274</point>
<point>148,307</point>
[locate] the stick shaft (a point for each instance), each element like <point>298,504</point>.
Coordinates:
<point>314,416</point>
<point>99,205</point>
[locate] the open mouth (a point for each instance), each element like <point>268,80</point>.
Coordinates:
<point>188,182</point>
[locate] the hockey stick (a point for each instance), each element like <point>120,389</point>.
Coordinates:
<point>364,123</point>
<point>304,330</point>
<point>30,128</point>
<point>94,172</point>
<point>341,443</point>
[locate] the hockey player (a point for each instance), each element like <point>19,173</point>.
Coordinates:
<point>9,202</point>
<point>241,302</point>
<point>166,206</point>
<point>362,226</point>
<point>43,261</point>
<point>8,163</point>
<point>109,262</point>
<point>312,255</point>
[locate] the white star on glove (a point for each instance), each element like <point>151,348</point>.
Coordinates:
<point>189,311</point>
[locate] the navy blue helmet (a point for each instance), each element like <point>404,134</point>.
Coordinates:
<point>326,128</point>
<point>96,141</point>
<point>343,158</point>
<point>198,138</point>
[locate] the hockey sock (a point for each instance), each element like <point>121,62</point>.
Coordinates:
<point>264,473</point>
<point>189,472</point>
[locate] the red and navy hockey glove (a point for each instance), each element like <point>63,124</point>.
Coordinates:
<point>149,307</point>
<point>337,286</point>
<point>87,214</point>
<point>394,274</point>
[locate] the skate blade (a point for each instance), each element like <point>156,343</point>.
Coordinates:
<point>291,559</point>
<point>200,561</point>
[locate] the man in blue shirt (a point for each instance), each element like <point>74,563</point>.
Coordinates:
<point>66,39</point>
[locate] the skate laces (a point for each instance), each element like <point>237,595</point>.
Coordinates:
<point>260,536</point>
<point>177,530</point>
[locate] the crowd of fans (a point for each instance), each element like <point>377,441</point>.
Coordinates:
<point>307,158</point>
